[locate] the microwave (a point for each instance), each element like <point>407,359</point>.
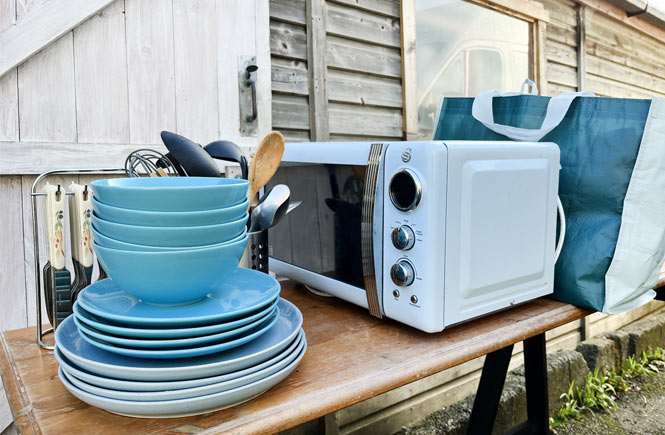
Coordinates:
<point>429,234</point>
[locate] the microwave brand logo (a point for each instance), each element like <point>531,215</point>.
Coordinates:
<point>406,155</point>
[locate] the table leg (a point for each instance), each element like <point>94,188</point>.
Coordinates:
<point>486,404</point>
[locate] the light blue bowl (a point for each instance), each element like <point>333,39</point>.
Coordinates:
<point>171,193</point>
<point>171,277</point>
<point>108,242</point>
<point>169,218</point>
<point>171,236</point>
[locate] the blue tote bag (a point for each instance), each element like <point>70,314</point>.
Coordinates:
<point>611,185</point>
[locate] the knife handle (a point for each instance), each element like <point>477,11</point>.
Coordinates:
<point>55,225</point>
<point>63,295</point>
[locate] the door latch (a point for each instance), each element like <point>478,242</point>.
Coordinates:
<point>247,92</point>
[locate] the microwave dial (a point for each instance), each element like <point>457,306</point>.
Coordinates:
<point>403,273</point>
<point>403,238</point>
<point>405,190</point>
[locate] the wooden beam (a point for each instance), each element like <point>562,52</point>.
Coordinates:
<point>41,27</point>
<point>317,69</point>
<point>37,157</point>
<point>637,23</point>
<point>581,12</point>
<point>409,71</point>
<point>538,56</point>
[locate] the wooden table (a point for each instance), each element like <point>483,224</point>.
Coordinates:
<point>351,357</point>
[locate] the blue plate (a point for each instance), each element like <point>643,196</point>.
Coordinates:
<point>169,333</point>
<point>100,362</point>
<point>244,291</point>
<point>175,343</point>
<point>186,352</point>
<point>122,385</point>
<point>171,193</point>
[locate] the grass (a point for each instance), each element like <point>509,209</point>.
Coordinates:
<point>600,390</point>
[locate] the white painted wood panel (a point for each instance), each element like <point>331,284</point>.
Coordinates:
<point>8,83</point>
<point>195,43</point>
<point>100,63</point>
<point>46,94</point>
<point>41,26</point>
<point>12,276</point>
<point>150,67</point>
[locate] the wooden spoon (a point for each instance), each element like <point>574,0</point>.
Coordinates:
<point>265,162</point>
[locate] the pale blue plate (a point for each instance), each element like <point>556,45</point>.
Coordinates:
<point>244,291</point>
<point>177,343</point>
<point>115,328</point>
<point>118,384</point>
<point>186,352</point>
<point>111,365</point>
<point>182,407</point>
<point>186,393</point>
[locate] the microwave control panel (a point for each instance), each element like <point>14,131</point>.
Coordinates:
<point>414,210</point>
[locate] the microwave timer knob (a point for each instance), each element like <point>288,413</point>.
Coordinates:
<point>402,273</point>
<point>403,238</point>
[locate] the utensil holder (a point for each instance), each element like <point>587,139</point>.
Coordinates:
<point>257,251</point>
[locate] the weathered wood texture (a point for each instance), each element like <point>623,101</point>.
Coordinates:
<point>351,356</point>
<point>358,57</point>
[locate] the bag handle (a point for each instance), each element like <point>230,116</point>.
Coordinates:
<point>556,110</point>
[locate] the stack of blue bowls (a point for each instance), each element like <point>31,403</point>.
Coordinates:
<point>177,309</point>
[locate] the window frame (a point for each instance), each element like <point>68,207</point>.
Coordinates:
<point>532,12</point>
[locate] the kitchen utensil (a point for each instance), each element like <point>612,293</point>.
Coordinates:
<point>195,161</point>
<point>188,392</point>
<point>57,279</point>
<point>108,242</point>
<point>125,385</point>
<point>168,218</point>
<point>182,407</point>
<point>121,330</point>
<point>258,251</point>
<point>173,277</point>
<point>197,235</point>
<point>271,208</point>
<point>81,248</point>
<point>149,162</point>
<point>97,361</point>
<point>186,352</point>
<point>170,343</point>
<point>170,193</point>
<point>226,150</point>
<point>102,273</point>
<point>265,162</point>
<point>243,292</point>
<point>292,206</point>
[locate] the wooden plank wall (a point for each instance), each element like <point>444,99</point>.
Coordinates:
<point>620,62</point>
<point>362,69</point>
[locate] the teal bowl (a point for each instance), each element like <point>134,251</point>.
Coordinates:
<point>130,216</point>
<point>108,242</point>
<point>171,236</point>
<point>171,278</point>
<point>171,193</point>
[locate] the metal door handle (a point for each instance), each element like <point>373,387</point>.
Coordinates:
<point>252,85</point>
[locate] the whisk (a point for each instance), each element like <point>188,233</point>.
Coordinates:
<point>146,162</point>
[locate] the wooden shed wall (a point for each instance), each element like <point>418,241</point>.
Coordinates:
<point>360,54</point>
<point>619,61</point>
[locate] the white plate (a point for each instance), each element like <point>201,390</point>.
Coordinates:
<point>186,393</point>
<point>182,407</point>
<point>117,384</point>
<point>108,364</point>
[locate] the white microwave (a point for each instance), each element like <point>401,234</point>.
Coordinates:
<point>426,233</point>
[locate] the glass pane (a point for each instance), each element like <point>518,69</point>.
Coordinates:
<point>463,49</point>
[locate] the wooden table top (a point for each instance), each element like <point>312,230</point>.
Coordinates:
<point>351,357</point>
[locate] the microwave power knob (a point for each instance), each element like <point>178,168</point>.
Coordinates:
<point>402,273</point>
<point>403,238</point>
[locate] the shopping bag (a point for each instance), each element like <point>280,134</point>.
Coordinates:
<point>611,185</point>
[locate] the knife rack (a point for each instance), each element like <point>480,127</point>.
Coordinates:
<point>35,238</point>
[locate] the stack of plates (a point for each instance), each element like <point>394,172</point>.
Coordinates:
<point>132,358</point>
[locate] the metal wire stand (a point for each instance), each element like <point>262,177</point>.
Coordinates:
<point>35,234</point>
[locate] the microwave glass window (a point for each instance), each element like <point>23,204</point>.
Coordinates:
<point>322,235</point>
<point>463,49</point>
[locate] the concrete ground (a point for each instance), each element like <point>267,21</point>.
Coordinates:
<point>640,411</point>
